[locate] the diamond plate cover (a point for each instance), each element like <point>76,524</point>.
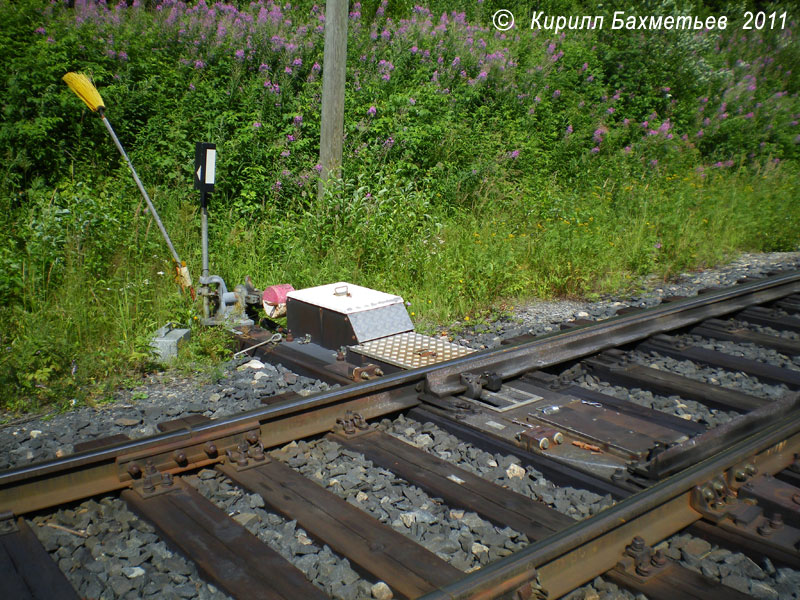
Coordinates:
<point>411,350</point>
<point>380,322</point>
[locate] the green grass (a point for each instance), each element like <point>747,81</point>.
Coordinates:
<point>487,173</point>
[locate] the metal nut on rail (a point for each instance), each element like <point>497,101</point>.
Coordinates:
<point>179,456</point>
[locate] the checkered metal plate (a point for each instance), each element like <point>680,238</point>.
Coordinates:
<point>411,350</point>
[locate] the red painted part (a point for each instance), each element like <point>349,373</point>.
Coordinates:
<point>276,294</point>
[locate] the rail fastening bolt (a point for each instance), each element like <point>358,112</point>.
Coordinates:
<point>134,470</point>
<point>658,559</point>
<point>637,544</point>
<point>210,449</point>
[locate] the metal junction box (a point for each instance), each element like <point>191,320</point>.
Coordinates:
<point>343,314</point>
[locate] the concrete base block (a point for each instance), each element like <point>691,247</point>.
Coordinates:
<point>167,340</point>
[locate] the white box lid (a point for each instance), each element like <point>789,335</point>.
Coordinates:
<point>344,298</point>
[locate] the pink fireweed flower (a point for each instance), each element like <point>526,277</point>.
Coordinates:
<point>256,125</point>
<point>298,120</point>
<point>371,111</point>
<point>556,94</point>
<point>514,154</point>
<point>595,150</point>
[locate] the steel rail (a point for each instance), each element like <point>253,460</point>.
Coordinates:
<point>589,339</point>
<point>592,546</point>
<point>49,483</point>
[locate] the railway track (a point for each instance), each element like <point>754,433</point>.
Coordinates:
<point>471,491</point>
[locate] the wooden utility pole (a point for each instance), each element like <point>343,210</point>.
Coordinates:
<point>333,77</point>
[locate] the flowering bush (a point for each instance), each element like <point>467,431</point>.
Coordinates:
<point>428,90</point>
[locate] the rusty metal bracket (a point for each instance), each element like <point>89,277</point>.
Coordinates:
<point>249,453</point>
<point>370,371</point>
<point>153,482</point>
<point>538,437</point>
<point>8,523</point>
<point>641,562</point>
<point>531,590</point>
<point>352,425</point>
<point>713,499</point>
<point>743,515</point>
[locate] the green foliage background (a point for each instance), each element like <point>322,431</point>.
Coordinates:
<point>480,167</point>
